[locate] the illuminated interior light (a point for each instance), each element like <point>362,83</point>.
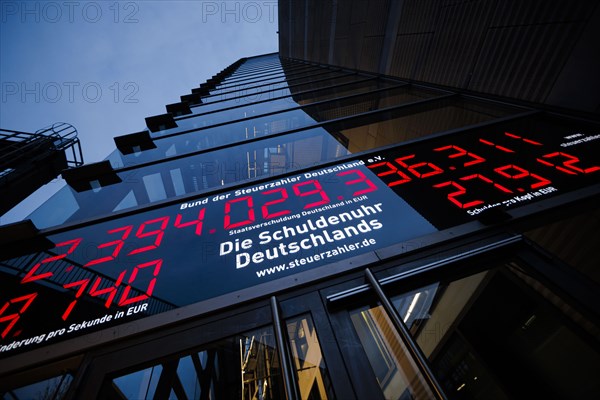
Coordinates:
<point>461,386</point>
<point>412,306</point>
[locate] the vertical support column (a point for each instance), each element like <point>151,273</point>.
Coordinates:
<point>289,379</point>
<point>405,335</point>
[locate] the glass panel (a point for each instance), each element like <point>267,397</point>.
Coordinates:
<point>423,120</point>
<point>244,107</point>
<point>269,84</point>
<point>54,388</point>
<point>501,334</point>
<point>267,72</point>
<point>574,240</point>
<point>270,124</point>
<point>395,370</point>
<point>271,92</point>
<point>262,78</point>
<point>205,171</point>
<point>311,372</point>
<point>244,367</point>
<point>154,187</point>
<point>56,210</point>
<point>224,134</point>
<point>318,91</point>
<point>139,384</point>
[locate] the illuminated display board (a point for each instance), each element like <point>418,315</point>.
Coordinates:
<point>151,262</point>
<point>452,179</point>
<point>185,253</point>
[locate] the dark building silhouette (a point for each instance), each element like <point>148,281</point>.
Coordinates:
<point>399,204</point>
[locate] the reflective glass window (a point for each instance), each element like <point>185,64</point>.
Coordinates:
<point>396,372</point>
<point>201,172</point>
<point>270,124</point>
<point>573,240</point>
<point>311,371</point>
<point>317,91</point>
<point>262,76</point>
<point>502,334</point>
<point>415,122</point>
<point>244,366</point>
<point>269,84</point>
<point>54,388</point>
<point>218,136</point>
<point>251,98</point>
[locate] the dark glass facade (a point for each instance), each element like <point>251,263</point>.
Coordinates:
<point>294,230</point>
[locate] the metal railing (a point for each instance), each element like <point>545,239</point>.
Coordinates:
<point>59,136</point>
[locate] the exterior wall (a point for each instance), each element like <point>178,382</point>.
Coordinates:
<point>533,51</point>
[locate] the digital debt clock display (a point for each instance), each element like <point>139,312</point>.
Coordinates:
<point>147,263</point>
<point>453,179</point>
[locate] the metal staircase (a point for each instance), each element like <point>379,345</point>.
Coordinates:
<point>30,160</point>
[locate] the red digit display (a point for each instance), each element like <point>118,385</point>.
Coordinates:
<point>157,233</point>
<point>111,290</point>
<point>249,217</point>
<point>486,180</point>
<point>197,222</point>
<point>512,135</point>
<point>361,178</point>
<point>124,300</point>
<point>433,169</point>
<point>522,173</point>
<point>14,317</point>
<point>82,285</point>
<point>567,166</point>
<point>282,197</point>
<point>317,190</point>
<point>117,243</point>
<point>391,169</point>
<point>30,276</point>
<point>453,195</point>
<point>460,152</point>
<point>497,146</point>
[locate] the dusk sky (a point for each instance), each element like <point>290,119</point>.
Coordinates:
<point>103,66</point>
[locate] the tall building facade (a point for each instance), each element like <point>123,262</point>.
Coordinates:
<point>293,229</point>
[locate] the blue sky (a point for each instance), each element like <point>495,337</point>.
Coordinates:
<point>103,66</point>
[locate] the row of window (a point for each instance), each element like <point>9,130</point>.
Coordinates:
<point>267,138</point>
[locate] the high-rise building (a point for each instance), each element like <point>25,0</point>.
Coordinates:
<point>296,228</point>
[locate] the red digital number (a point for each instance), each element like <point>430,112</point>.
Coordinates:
<point>433,169</point>
<point>82,285</point>
<point>486,180</point>
<point>461,190</point>
<point>13,318</point>
<point>567,166</point>
<point>198,222</point>
<point>156,264</point>
<point>501,148</point>
<point>361,178</point>
<point>249,218</point>
<point>111,290</point>
<point>157,233</point>
<point>392,169</point>
<point>513,136</point>
<point>460,152</point>
<point>317,190</point>
<point>265,208</point>
<point>522,173</point>
<point>117,243</point>
<point>30,276</point>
